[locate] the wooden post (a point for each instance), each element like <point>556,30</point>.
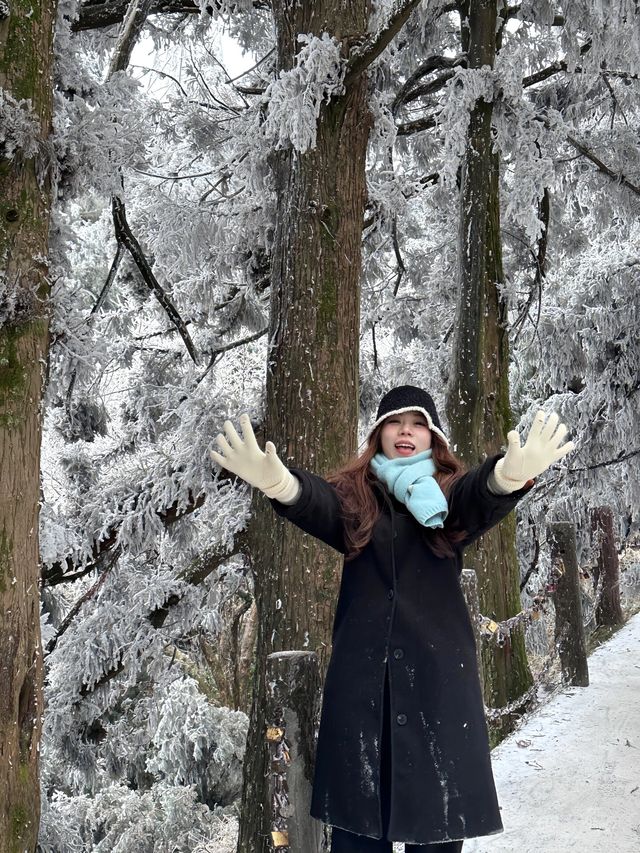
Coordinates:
<point>569,631</point>
<point>608,609</point>
<point>292,704</point>
<point>469,583</point>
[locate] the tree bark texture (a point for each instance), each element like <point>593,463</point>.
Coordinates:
<point>477,405</point>
<point>312,371</point>
<point>607,568</point>
<point>26,36</point>
<point>569,629</point>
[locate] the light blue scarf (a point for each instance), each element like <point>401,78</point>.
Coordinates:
<point>411,480</point>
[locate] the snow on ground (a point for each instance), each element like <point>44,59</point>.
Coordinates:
<point>577,786</point>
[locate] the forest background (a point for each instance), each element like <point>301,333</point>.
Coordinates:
<point>440,194</point>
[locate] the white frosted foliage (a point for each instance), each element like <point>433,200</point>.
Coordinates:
<point>140,751</point>
<point>295,97</point>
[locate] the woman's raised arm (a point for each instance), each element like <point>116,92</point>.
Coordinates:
<point>264,471</point>
<point>305,499</point>
<point>486,494</point>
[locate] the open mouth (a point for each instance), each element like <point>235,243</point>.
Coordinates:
<point>405,449</point>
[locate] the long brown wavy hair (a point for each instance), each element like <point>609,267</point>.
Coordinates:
<point>354,480</point>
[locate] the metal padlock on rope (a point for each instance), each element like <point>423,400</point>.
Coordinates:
<point>488,626</point>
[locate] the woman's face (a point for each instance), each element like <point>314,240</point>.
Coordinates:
<point>408,428</point>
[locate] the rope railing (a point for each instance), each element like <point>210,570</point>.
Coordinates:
<point>499,632</point>
<point>493,714</point>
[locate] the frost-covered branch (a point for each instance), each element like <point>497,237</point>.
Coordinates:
<point>87,596</point>
<point>67,570</point>
<point>618,177</point>
<point>410,90</point>
<point>133,22</point>
<point>125,236</point>
<point>431,121</point>
<point>193,575</point>
<point>95,16</point>
<point>295,97</point>
<point>364,54</point>
<point>19,127</point>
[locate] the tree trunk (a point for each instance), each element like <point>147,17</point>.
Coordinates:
<point>608,609</point>
<point>477,405</point>
<point>569,631</point>
<point>26,37</point>
<point>312,372</point>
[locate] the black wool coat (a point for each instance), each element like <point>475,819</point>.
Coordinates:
<point>401,606</point>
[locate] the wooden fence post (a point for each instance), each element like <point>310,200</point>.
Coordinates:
<point>608,608</point>
<point>569,630</point>
<point>292,704</point>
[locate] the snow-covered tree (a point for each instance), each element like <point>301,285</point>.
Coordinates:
<point>304,218</point>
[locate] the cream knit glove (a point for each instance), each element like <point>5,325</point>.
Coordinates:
<point>542,449</point>
<point>264,471</point>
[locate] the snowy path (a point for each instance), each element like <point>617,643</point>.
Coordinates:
<point>577,786</point>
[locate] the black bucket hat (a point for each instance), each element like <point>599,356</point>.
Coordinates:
<point>408,398</point>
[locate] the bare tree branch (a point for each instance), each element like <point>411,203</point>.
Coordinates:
<point>98,303</point>
<point>125,236</point>
<point>216,352</point>
<point>399,261</point>
<point>514,12</point>
<point>554,68</point>
<point>621,458</point>
<point>420,124</point>
<point>110,278</point>
<point>540,266</point>
<point>534,563</point>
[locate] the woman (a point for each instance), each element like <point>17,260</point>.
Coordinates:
<point>403,749</point>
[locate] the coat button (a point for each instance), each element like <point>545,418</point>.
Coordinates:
<point>401,719</point>
<point>398,653</point>
<point>390,593</point>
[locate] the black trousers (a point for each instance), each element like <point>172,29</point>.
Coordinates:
<point>343,841</point>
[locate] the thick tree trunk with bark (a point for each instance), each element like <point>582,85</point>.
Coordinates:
<point>478,408</point>
<point>312,372</point>
<point>26,35</point>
